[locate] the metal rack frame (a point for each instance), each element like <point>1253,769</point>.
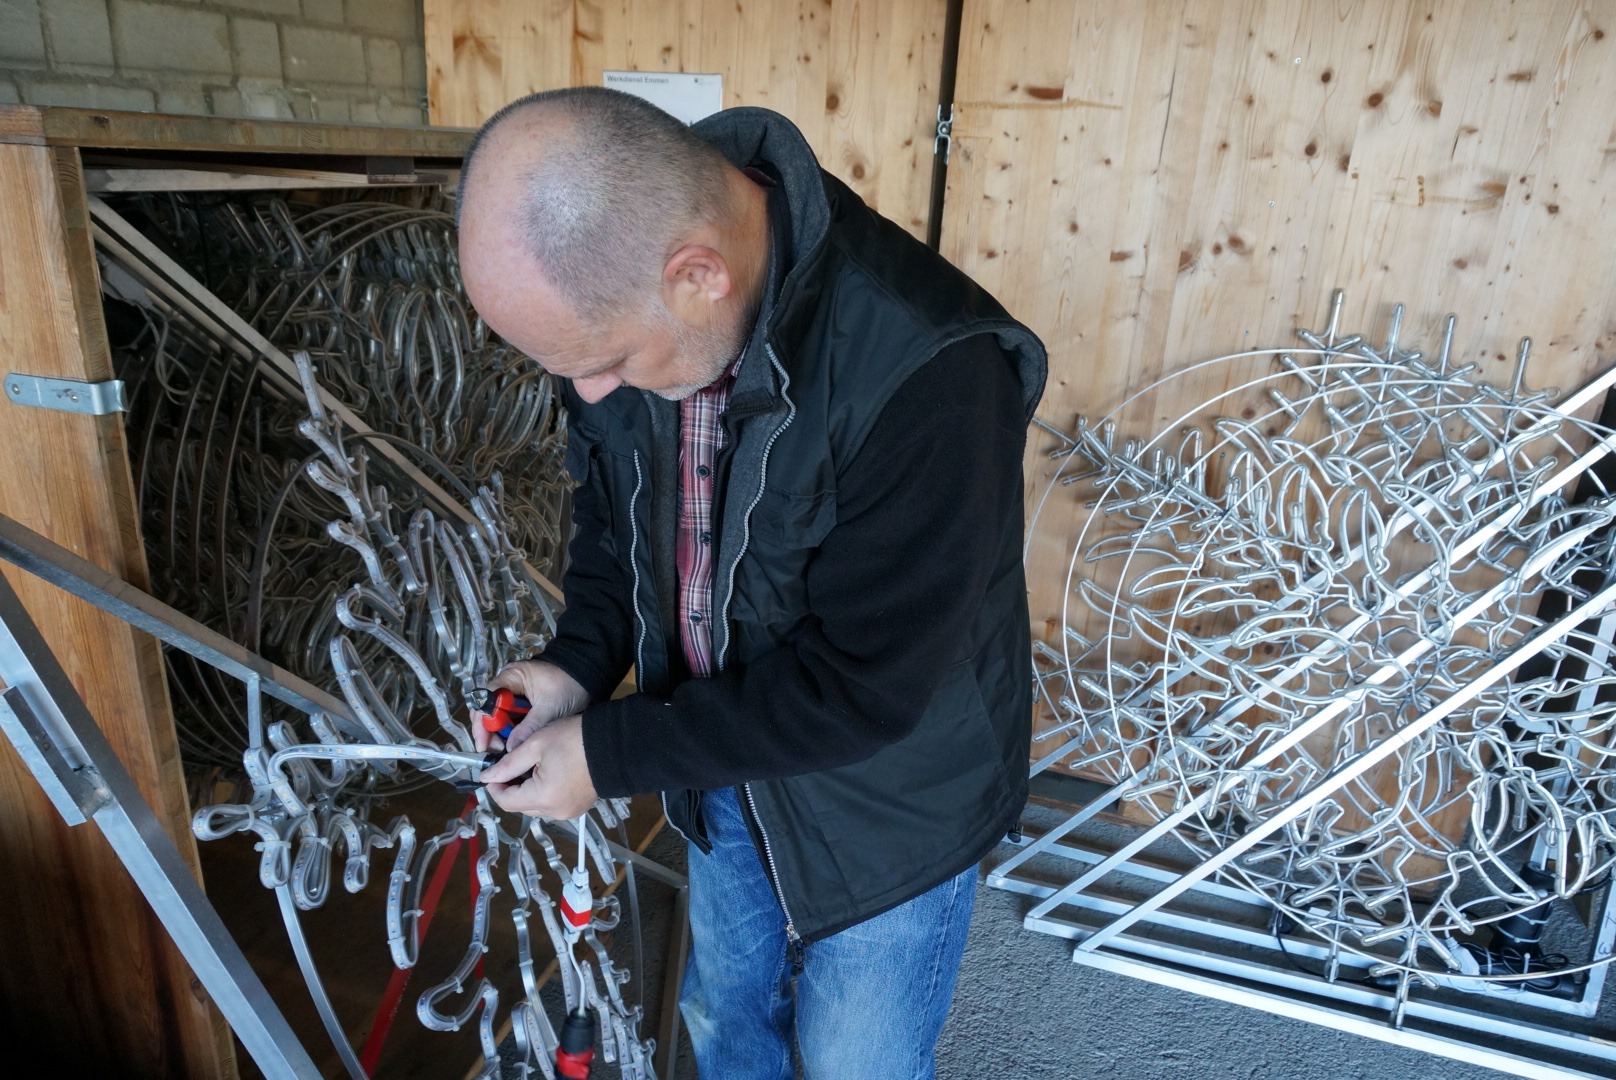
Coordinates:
<point>1224,958</point>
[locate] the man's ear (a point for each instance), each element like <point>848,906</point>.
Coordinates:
<point>695,279</point>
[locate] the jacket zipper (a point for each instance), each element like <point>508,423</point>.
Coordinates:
<point>794,943</point>
<point>746,519</point>
<point>634,567</point>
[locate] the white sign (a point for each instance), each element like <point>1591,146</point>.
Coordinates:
<point>689,97</point>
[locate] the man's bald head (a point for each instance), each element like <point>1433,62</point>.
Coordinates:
<point>600,187</point>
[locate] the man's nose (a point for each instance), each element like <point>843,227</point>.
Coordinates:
<point>595,387</point>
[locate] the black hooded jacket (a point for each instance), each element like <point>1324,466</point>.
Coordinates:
<point>872,700</point>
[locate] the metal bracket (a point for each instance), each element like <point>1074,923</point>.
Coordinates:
<point>945,133</point>
<point>77,793</point>
<point>66,395</point>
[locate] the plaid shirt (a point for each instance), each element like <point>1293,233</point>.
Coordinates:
<point>701,436</point>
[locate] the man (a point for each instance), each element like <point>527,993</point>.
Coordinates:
<point>797,435</point>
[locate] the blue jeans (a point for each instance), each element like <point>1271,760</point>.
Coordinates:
<point>870,1001</point>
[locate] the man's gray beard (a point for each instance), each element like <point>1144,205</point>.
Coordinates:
<point>714,344</point>
<point>679,393</point>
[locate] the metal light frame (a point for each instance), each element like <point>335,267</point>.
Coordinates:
<point>1205,930</point>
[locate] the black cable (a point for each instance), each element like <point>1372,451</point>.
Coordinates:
<point>1593,886</point>
<point>1280,919</point>
<point>1279,939</point>
<point>1511,961</point>
<point>1490,962</point>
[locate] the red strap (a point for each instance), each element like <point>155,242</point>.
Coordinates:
<point>388,1008</point>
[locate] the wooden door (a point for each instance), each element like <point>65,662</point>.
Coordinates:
<point>859,79</point>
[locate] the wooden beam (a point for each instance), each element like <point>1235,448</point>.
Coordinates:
<point>102,128</point>
<point>113,180</point>
<point>89,981</point>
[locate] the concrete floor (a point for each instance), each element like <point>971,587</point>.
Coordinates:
<point>1024,1005</point>
<point>1024,1011</point>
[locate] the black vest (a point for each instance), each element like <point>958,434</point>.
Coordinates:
<point>863,306</point>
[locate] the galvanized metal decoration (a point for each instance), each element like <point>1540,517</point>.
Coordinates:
<point>235,536</point>
<point>1351,647</point>
<point>312,545</point>
<point>441,607</point>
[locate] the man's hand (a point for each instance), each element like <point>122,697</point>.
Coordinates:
<point>552,693</point>
<point>560,786</point>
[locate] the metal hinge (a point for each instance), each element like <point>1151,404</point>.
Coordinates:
<point>945,133</point>
<point>66,395</point>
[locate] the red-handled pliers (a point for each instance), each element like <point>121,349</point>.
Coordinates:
<point>503,712</point>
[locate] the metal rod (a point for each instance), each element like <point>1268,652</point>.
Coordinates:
<point>673,979</point>
<point>1477,1053</point>
<point>51,562</point>
<point>311,977</point>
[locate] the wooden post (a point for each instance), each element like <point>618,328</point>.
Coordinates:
<point>89,981</point>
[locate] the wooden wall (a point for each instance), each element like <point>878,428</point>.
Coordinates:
<point>1156,183</point>
<point>860,79</point>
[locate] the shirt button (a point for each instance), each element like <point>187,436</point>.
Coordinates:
<point>706,538</point>
<point>695,616</point>
<point>703,471</point>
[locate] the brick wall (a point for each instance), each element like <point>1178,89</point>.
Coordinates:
<point>331,60</point>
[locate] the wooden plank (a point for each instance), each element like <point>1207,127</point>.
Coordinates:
<point>132,130</point>
<point>859,79</point>
<point>23,124</point>
<point>114,180</point>
<point>1149,185</point>
<point>89,979</point>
